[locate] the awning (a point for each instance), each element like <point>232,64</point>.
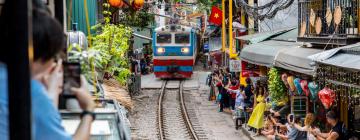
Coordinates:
<point>288,36</point>
<point>344,57</point>
<point>141,36</point>
<point>258,37</point>
<point>264,53</point>
<point>344,60</point>
<point>296,59</point>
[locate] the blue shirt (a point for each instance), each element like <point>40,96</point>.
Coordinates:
<point>46,122</point>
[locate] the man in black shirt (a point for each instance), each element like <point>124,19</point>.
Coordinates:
<point>336,132</point>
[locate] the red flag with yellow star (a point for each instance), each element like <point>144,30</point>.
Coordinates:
<point>216,15</point>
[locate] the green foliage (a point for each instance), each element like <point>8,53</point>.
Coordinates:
<point>139,19</point>
<point>277,88</point>
<point>128,16</point>
<point>76,54</point>
<point>205,5</point>
<point>109,50</point>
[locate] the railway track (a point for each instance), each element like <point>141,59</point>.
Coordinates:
<point>173,118</point>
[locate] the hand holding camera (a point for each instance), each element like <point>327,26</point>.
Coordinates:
<point>83,96</point>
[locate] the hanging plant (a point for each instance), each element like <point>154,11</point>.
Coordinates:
<point>277,87</point>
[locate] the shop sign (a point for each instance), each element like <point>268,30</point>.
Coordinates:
<point>235,65</point>
<point>249,70</point>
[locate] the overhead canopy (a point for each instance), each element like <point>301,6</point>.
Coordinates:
<point>264,53</point>
<point>258,37</point>
<point>344,60</point>
<point>296,59</point>
<point>141,36</point>
<point>290,35</point>
<point>345,57</point>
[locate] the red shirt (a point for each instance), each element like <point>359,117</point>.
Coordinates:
<point>233,95</point>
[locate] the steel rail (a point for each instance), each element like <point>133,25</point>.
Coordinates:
<point>185,114</point>
<point>160,111</point>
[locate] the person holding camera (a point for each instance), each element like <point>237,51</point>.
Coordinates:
<point>291,132</point>
<point>308,127</point>
<point>337,132</point>
<point>46,85</point>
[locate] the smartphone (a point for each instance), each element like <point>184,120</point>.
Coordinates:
<point>292,118</point>
<point>71,77</point>
<point>278,129</point>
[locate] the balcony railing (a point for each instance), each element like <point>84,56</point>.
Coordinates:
<point>329,21</point>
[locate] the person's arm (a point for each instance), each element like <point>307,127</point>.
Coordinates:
<point>282,137</point>
<point>267,132</point>
<point>243,93</point>
<point>273,120</point>
<point>300,128</point>
<point>320,136</point>
<point>333,136</point>
<point>87,104</point>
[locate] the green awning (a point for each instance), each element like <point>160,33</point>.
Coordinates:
<point>296,59</point>
<point>78,14</point>
<point>288,36</point>
<point>345,57</point>
<point>264,53</point>
<point>259,37</point>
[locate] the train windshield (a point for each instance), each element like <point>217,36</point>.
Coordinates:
<point>182,38</point>
<point>163,38</point>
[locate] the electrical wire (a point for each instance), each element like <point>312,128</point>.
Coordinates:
<point>256,11</point>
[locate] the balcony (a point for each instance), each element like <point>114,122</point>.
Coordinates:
<point>333,22</point>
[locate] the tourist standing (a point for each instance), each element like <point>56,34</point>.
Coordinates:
<point>239,105</point>
<point>257,117</point>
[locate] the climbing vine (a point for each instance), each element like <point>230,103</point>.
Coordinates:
<point>277,88</point>
<point>109,51</point>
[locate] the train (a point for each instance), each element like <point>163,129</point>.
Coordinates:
<point>175,49</point>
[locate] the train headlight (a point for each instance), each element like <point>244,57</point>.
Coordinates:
<point>160,50</point>
<point>185,50</point>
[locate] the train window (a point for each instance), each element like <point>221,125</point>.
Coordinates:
<point>163,38</point>
<point>182,38</point>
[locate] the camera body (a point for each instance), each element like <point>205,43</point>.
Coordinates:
<point>72,71</point>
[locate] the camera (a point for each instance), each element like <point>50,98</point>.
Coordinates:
<point>72,72</point>
<point>291,117</point>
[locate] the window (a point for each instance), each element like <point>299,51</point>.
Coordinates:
<point>182,38</point>
<point>163,38</point>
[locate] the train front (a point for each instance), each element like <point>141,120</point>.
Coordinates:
<point>174,51</point>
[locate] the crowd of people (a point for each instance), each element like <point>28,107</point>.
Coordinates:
<point>141,62</point>
<point>251,106</point>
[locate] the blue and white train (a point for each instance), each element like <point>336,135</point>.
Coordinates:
<point>174,51</point>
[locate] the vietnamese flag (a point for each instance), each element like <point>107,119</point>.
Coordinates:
<point>216,16</point>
